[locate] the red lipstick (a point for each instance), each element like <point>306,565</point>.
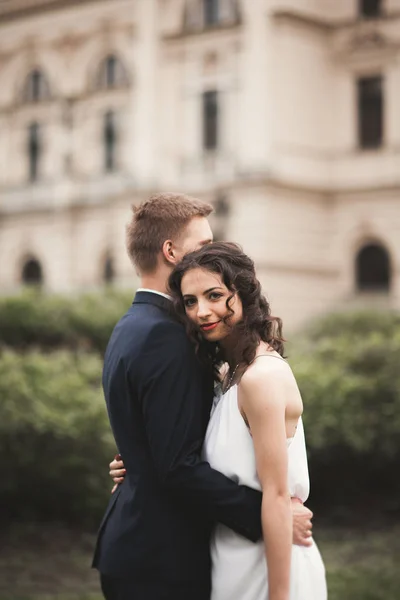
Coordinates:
<point>209,326</point>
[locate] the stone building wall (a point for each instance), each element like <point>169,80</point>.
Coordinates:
<point>288,175</point>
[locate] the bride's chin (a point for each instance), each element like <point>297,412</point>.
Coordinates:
<point>211,337</point>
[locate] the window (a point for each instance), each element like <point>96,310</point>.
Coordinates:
<point>32,272</point>
<point>370,112</point>
<point>110,141</point>
<point>36,88</point>
<point>221,216</point>
<point>221,206</point>
<point>108,271</point>
<point>373,269</point>
<point>203,14</point>
<point>111,74</point>
<point>211,12</point>
<point>34,151</point>
<point>210,120</point>
<point>370,8</point>
<point>111,71</point>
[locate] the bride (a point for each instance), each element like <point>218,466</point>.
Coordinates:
<point>255,434</point>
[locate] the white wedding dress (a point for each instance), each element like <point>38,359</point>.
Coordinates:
<point>239,570</point>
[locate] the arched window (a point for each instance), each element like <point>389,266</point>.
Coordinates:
<point>373,269</point>
<point>109,141</point>
<point>108,270</point>
<point>32,273</point>
<point>33,151</point>
<point>36,87</point>
<point>111,74</point>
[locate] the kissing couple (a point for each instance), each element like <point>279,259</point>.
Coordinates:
<point>206,415</point>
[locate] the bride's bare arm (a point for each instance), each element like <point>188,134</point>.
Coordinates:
<point>264,407</point>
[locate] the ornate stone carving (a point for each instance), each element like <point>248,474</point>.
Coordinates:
<point>363,41</point>
<point>69,43</point>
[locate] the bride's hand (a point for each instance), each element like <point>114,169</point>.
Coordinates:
<point>302,524</point>
<point>117,471</point>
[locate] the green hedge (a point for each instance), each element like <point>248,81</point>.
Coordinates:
<point>351,384</point>
<point>347,367</point>
<point>35,319</point>
<point>55,441</point>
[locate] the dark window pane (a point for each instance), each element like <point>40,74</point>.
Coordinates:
<point>370,112</point>
<point>221,206</point>
<point>36,85</point>
<point>110,71</point>
<point>32,273</point>
<point>110,141</point>
<point>203,14</point>
<point>211,12</point>
<point>33,151</point>
<point>36,88</point>
<point>373,269</point>
<point>210,120</point>
<point>109,273</point>
<point>221,212</point>
<point>370,8</point>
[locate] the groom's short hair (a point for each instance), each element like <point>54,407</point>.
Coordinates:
<point>162,217</point>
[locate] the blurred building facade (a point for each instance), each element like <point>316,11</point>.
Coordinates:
<point>283,113</point>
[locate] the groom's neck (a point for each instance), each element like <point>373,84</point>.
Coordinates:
<point>156,282</point>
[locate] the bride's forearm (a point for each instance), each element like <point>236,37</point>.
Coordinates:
<point>277,529</point>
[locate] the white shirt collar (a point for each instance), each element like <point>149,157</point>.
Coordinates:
<point>154,292</point>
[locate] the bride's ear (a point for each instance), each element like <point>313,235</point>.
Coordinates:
<point>169,252</point>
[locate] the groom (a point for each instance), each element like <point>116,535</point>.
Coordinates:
<point>153,542</point>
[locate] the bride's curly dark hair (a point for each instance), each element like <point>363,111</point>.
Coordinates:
<point>238,274</point>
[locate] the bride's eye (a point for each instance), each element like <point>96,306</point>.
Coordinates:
<point>189,302</point>
<point>215,295</point>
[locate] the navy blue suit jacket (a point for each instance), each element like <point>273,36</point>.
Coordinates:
<point>158,523</point>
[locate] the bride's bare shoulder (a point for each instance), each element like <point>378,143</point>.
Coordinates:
<point>266,373</point>
<point>270,382</point>
<point>272,365</point>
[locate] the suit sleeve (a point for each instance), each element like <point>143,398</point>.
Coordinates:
<point>170,393</point>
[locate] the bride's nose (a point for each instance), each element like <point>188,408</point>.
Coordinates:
<point>203,310</point>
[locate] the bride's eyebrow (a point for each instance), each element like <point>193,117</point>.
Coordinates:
<point>204,293</point>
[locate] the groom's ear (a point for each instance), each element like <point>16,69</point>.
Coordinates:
<point>169,252</point>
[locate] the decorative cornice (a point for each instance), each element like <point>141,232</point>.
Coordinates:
<point>328,193</point>
<point>20,9</point>
<point>295,17</point>
<point>198,33</point>
<point>333,24</point>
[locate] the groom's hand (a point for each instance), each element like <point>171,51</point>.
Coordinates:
<point>302,525</point>
<point>117,471</point>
